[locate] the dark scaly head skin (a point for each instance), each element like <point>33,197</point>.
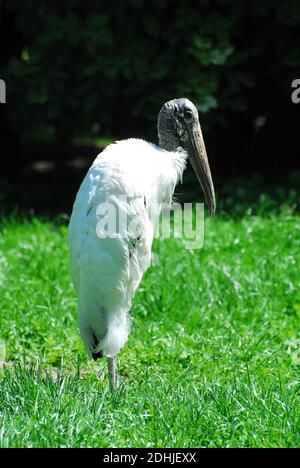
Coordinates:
<point>178,126</point>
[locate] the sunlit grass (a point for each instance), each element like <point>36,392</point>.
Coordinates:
<point>213,358</point>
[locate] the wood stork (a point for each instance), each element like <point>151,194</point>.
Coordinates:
<point>106,271</point>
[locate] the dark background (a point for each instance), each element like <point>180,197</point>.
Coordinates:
<point>80,74</point>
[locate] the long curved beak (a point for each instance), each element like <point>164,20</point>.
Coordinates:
<point>198,158</point>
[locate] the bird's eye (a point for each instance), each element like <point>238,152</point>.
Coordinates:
<point>188,114</point>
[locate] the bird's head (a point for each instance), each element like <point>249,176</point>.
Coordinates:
<point>178,125</point>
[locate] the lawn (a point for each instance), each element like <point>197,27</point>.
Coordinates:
<point>213,358</point>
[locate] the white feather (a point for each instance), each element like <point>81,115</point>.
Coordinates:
<point>107,271</point>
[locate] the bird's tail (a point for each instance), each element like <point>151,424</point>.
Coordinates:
<point>118,325</point>
<point>104,337</point>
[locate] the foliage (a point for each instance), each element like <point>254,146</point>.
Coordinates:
<point>85,68</point>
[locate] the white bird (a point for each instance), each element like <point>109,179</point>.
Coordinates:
<point>135,178</point>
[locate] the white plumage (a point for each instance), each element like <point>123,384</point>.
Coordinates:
<point>136,178</point>
<point>107,271</point>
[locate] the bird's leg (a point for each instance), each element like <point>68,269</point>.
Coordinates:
<point>112,372</point>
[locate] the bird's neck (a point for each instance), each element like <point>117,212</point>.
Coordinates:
<point>167,136</point>
<point>169,141</point>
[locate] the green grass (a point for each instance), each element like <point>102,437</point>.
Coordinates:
<point>213,358</point>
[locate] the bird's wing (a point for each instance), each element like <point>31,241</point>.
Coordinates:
<point>129,179</point>
<point>113,265</point>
